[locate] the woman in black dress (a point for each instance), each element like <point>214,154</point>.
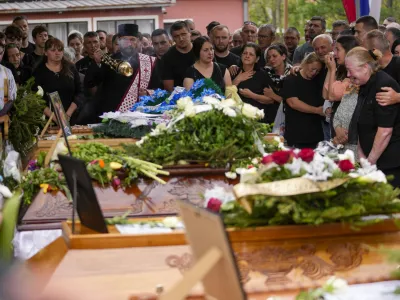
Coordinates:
<point>376,128</point>
<point>303,105</point>
<point>204,67</point>
<point>251,82</point>
<point>55,74</point>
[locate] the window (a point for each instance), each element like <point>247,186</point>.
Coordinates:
<point>60,30</point>
<point>145,25</point>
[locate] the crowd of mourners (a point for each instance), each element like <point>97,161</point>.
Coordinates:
<point>341,85</point>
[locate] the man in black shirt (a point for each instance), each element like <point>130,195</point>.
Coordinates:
<point>178,58</point>
<point>161,44</point>
<point>40,36</point>
<point>22,23</point>
<point>390,64</point>
<point>292,39</point>
<point>20,71</point>
<point>220,37</point>
<point>91,44</point>
<point>249,34</point>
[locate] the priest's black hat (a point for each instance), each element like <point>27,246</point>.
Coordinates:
<point>128,30</point>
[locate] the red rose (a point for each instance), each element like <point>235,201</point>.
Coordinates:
<point>281,157</point>
<point>266,159</point>
<point>214,204</point>
<point>306,154</point>
<point>345,165</point>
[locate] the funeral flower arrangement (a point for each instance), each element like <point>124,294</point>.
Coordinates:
<point>105,165</point>
<point>304,187</point>
<point>205,130</point>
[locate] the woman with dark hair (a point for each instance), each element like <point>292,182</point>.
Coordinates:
<point>337,84</point>
<point>396,48</point>
<point>75,41</point>
<point>204,67</point>
<point>277,69</point>
<point>251,81</point>
<point>303,105</point>
<point>55,74</point>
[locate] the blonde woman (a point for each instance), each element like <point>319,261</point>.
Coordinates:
<point>375,128</point>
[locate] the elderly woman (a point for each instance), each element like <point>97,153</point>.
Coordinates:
<point>375,127</point>
<point>303,105</point>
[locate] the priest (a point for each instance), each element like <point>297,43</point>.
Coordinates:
<point>114,91</point>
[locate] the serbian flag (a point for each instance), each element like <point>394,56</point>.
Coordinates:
<point>358,8</point>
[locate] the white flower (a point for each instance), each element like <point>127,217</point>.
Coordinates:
<point>171,222</point>
<point>190,111</point>
<point>218,192</point>
<point>335,285</point>
<point>318,169</point>
<point>247,175</point>
<point>230,175</point>
<point>182,103</point>
<point>5,191</point>
<point>249,111</point>
<point>228,103</point>
<point>211,100</point>
<point>348,154</point>
<point>295,166</point>
<point>229,112</point>
<point>254,161</point>
<point>40,91</point>
<point>260,114</point>
<point>142,140</point>
<point>375,176</point>
<point>159,129</point>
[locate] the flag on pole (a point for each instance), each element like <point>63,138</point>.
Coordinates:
<point>358,8</point>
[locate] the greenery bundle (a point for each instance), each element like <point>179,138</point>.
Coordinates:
<point>26,118</point>
<point>116,129</point>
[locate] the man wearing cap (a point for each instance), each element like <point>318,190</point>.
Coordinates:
<point>117,92</point>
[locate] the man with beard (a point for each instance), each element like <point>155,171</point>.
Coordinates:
<point>220,37</point>
<point>103,39</point>
<point>317,26</point>
<point>178,58</point>
<point>249,34</point>
<point>117,92</point>
<point>26,45</point>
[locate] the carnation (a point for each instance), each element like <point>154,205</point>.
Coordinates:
<point>346,165</point>
<point>306,154</point>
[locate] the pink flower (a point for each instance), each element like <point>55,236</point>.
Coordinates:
<point>214,204</point>
<point>345,165</point>
<point>306,155</point>
<point>116,183</point>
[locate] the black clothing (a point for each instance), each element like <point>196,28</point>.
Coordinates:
<point>68,88</point>
<point>157,71</point>
<point>302,128</point>
<point>175,64</point>
<point>237,50</point>
<point>393,68</point>
<point>36,60</point>
<point>22,74</point>
<point>111,86</point>
<point>291,56</point>
<point>29,49</point>
<point>256,84</point>
<point>217,75</point>
<point>229,60</point>
<point>84,64</point>
<point>369,115</point>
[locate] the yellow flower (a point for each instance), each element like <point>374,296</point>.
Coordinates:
<point>115,165</point>
<point>44,187</point>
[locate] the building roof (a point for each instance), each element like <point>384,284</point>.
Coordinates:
<point>68,5</point>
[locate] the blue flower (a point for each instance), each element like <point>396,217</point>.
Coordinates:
<point>207,92</point>
<point>159,93</point>
<point>197,84</point>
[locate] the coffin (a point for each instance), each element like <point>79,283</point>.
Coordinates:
<point>272,260</point>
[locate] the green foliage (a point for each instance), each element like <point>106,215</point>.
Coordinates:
<point>348,203</point>
<point>121,130</point>
<point>211,136</point>
<point>7,227</point>
<point>390,8</point>
<point>26,118</point>
<point>89,152</point>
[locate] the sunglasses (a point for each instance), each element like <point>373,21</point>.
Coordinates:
<point>250,23</point>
